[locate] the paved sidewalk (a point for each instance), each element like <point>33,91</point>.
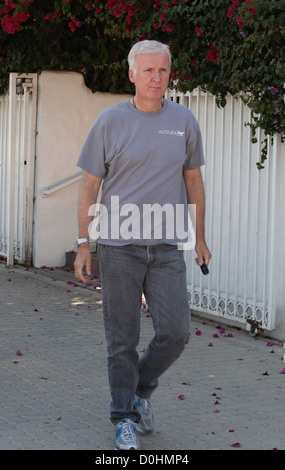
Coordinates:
<point>223,391</point>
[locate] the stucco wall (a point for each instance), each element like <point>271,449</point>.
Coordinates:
<point>66,111</point>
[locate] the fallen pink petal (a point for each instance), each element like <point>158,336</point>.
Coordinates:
<point>198,333</point>
<point>269,344</point>
<point>265,373</point>
<point>236,444</point>
<point>19,352</point>
<point>231,430</point>
<point>221,330</point>
<point>181,397</point>
<point>282,371</point>
<point>230,335</point>
<point>216,411</point>
<point>215,335</point>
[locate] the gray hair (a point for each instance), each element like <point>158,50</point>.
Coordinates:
<point>146,47</point>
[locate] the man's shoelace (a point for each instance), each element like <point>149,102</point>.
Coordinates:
<point>128,430</point>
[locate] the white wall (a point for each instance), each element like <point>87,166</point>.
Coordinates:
<point>66,111</point>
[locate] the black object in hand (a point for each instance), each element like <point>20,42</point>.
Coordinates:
<point>204,269</point>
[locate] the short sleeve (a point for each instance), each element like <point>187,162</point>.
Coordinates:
<point>194,146</point>
<point>92,155</point>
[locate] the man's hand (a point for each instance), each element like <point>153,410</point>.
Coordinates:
<point>203,253</point>
<point>83,260</point>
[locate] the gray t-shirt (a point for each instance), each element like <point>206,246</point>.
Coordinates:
<point>141,157</point>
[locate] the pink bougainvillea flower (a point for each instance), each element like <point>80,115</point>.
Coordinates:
<point>168,28</point>
<point>212,55</point>
<point>198,32</point>
<point>230,12</point>
<point>274,90</point>
<point>239,22</point>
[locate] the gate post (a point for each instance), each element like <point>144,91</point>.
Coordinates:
<point>20,166</point>
<point>11,167</point>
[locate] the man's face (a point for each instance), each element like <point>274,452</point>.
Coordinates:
<point>151,76</point>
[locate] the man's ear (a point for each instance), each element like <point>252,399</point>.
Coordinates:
<point>132,76</point>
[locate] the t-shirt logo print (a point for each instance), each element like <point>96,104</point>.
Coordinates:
<point>169,132</point>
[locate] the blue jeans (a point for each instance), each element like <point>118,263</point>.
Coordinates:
<point>126,272</point>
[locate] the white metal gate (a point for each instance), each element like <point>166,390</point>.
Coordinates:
<point>241,216</point>
<point>17,160</point>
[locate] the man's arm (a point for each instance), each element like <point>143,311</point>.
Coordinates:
<point>196,195</point>
<point>89,189</point>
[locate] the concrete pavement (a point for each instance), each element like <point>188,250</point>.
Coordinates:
<point>225,392</point>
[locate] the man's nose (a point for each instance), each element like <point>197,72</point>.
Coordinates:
<point>156,76</point>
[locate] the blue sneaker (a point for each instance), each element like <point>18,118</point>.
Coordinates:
<point>126,436</point>
<point>143,406</point>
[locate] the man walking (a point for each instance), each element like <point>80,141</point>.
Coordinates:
<point>146,152</point>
